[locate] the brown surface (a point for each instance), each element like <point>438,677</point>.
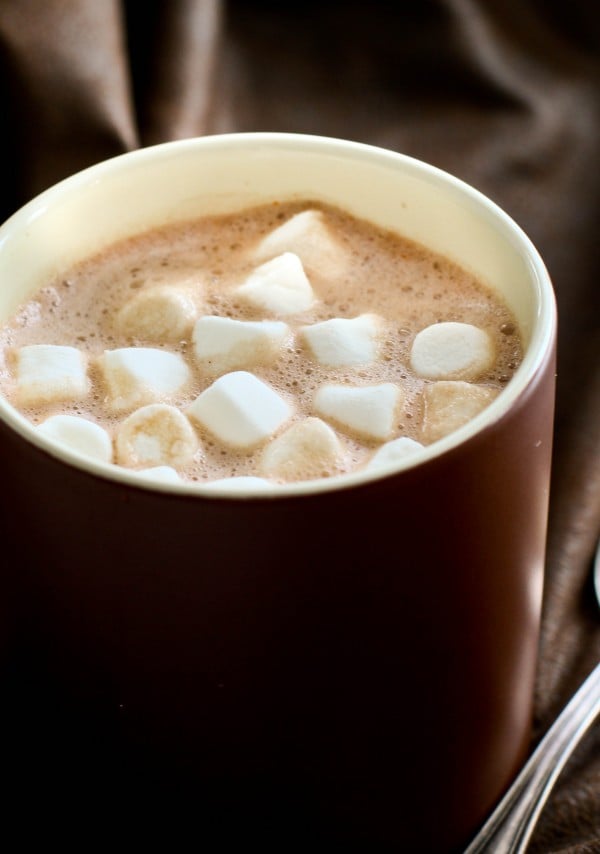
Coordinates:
<point>502,94</point>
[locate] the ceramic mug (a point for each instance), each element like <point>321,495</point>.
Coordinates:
<point>358,653</point>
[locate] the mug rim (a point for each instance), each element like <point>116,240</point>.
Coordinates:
<point>539,346</point>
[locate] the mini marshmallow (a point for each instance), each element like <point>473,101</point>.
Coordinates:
<point>451,351</point>
<point>449,405</point>
<point>240,410</point>
<point>79,434</point>
<point>240,484</point>
<point>138,375</point>
<point>47,372</point>
<point>307,235</point>
<point>369,411</point>
<point>222,344</point>
<point>156,435</point>
<point>394,452</point>
<point>308,449</point>
<point>159,314</point>
<point>162,474</point>
<point>279,286</point>
<point>344,342</point>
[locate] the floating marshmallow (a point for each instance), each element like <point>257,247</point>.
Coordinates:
<point>48,372</point>
<point>449,405</point>
<point>164,313</point>
<point>307,450</point>
<point>156,435</point>
<point>79,434</point>
<point>161,474</point>
<point>451,351</point>
<point>308,236</point>
<point>279,286</point>
<point>344,342</point>
<point>394,452</point>
<point>369,411</point>
<point>138,375</point>
<point>240,484</point>
<point>240,410</point>
<point>222,344</point>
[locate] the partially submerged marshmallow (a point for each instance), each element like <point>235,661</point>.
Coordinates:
<point>156,435</point>
<point>307,450</point>
<point>342,342</point>
<point>308,236</point>
<point>80,435</point>
<point>240,410</point>
<point>240,484</point>
<point>280,286</point>
<point>161,474</point>
<point>451,351</point>
<point>451,404</point>
<point>139,375</point>
<point>393,452</point>
<point>163,313</point>
<point>46,373</point>
<point>222,344</point>
<point>369,411</point>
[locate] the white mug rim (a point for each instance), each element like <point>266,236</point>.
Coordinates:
<point>539,346</point>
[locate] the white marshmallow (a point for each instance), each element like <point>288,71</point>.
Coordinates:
<point>307,235</point>
<point>369,411</point>
<point>79,434</point>
<point>393,452</point>
<point>279,286</point>
<point>307,450</point>
<point>156,435</point>
<point>240,410</point>
<point>164,313</point>
<point>449,405</point>
<point>138,375</point>
<point>48,372</point>
<point>163,474</point>
<point>344,342</point>
<point>240,484</point>
<point>451,351</point>
<point>222,344</point>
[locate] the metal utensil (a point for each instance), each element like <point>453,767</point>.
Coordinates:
<point>509,827</point>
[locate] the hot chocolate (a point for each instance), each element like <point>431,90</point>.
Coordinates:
<point>286,342</point>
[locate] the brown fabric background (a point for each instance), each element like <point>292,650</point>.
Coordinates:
<point>502,93</point>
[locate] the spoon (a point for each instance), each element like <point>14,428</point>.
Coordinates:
<point>509,827</point>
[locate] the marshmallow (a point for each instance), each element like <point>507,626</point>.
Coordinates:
<point>449,405</point>
<point>79,434</point>
<point>159,314</point>
<point>156,435</point>
<point>222,344</point>
<point>307,235</point>
<point>279,286</point>
<point>47,373</point>
<point>451,351</point>
<point>138,375</point>
<point>369,411</point>
<point>240,410</point>
<point>393,452</point>
<point>344,342</point>
<point>240,484</point>
<point>162,474</point>
<point>308,449</point>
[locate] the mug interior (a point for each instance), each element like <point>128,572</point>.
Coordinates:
<point>223,174</point>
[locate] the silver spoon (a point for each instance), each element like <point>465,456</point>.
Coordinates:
<point>509,827</point>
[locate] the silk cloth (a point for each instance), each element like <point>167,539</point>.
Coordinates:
<point>502,93</point>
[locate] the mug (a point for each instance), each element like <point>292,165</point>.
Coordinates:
<point>350,661</point>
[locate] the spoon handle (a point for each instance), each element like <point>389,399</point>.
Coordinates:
<point>508,829</point>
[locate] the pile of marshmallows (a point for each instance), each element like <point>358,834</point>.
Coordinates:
<point>238,409</point>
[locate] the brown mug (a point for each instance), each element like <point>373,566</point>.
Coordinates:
<point>357,654</point>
